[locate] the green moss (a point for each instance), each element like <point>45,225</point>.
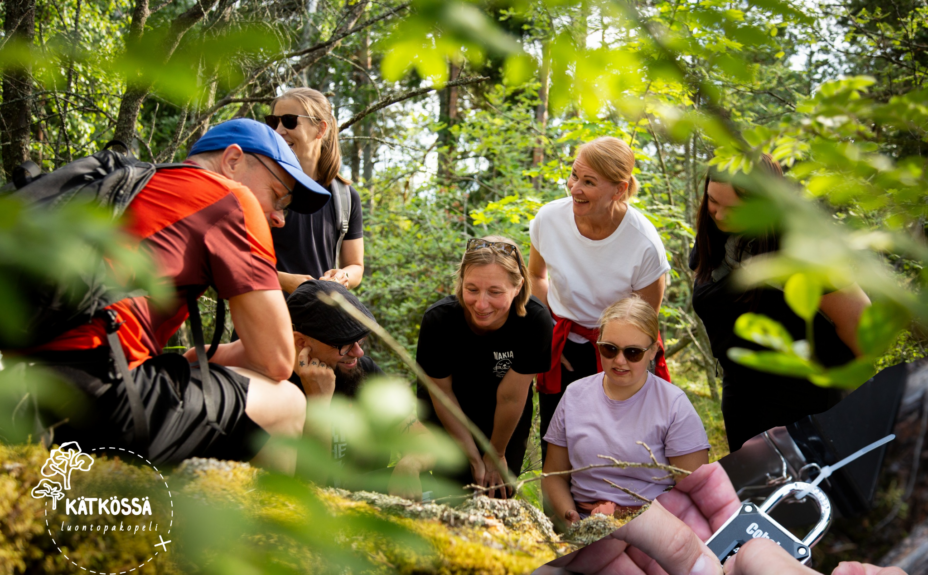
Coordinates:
<point>483,537</point>
<point>27,547</point>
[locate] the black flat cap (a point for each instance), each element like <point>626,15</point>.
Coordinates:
<point>319,320</point>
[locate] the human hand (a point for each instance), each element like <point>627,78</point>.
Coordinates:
<point>571,516</point>
<point>318,378</point>
<point>700,504</point>
<point>336,275</point>
<point>494,477</point>
<point>404,481</point>
<point>478,470</point>
<point>765,557</point>
<point>855,568</point>
<point>655,542</point>
<point>566,364</point>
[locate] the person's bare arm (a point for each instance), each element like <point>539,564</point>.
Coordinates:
<point>457,431</point>
<point>510,402</point>
<point>404,481</point>
<point>843,308</point>
<point>557,487</point>
<point>654,293</point>
<point>690,461</point>
<point>351,261</point>
<point>289,282</point>
<point>538,275</point>
<point>266,338</point>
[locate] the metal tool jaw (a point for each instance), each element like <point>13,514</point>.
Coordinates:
<point>752,522</point>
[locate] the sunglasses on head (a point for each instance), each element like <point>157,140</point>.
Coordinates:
<point>288,120</point>
<point>501,247</point>
<point>633,354</point>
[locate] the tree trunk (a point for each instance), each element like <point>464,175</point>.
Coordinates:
<point>541,115</point>
<point>447,115</point>
<point>15,111</point>
<point>137,89</point>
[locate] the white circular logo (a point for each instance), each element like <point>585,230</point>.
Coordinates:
<point>502,367</point>
<point>131,501</point>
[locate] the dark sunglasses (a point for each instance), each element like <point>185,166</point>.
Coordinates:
<point>344,349</point>
<point>632,354</point>
<point>501,247</point>
<point>288,120</point>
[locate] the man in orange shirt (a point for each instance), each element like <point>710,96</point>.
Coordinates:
<point>206,225</point>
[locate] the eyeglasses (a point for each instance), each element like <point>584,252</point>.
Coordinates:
<point>289,120</point>
<point>632,353</point>
<point>501,247</point>
<point>282,201</point>
<point>344,349</point>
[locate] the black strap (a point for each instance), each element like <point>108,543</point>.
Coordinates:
<point>112,143</point>
<point>210,388</point>
<point>220,328</point>
<point>136,407</point>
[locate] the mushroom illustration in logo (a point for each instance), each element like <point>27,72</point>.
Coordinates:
<point>47,488</point>
<point>64,460</point>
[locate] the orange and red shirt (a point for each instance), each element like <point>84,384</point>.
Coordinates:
<point>200,229</point>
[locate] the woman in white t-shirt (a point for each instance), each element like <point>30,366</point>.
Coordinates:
<point>588,251</point>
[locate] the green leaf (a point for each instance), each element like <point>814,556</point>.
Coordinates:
<point>774,362</point>
<point>879,325</point>
<point>803,295</point>
<point>518,69</point>
<point>849,376</point>
<point>764,331</point>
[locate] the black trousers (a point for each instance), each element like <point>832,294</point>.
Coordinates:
<point>582,357</point>
<point>172,394</point>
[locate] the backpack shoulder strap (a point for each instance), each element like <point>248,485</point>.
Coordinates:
<point>342,198</point>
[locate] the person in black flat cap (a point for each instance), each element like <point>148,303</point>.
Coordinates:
<point>330,359</point>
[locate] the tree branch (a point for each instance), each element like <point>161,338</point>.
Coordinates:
<point>615,464</point>
<point>390,100</point>
<point>340,36</point>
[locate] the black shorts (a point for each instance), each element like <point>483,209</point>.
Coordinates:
<point>172,394</point>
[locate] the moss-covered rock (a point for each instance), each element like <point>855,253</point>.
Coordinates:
<point>318,532</point>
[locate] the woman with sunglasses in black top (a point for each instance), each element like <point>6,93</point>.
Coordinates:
<point>753,401</point>
<point>609,413</point>
<point>482,347</point>
<point>314,246</point>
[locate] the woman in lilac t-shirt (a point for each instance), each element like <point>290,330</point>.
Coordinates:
<point>608,413</point>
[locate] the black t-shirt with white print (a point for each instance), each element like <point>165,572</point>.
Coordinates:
<point>477,363</point>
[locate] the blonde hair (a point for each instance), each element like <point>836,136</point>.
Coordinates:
<point>317,105</point>
<point>612,158</point>
<point>515,267</point>
<point>634,311</point>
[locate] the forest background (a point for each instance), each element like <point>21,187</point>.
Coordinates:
<point>460,119</point>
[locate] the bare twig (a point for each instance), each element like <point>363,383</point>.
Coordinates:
<point>629,491</point>
<point>615,464</point>
<point>337,38</point>
<point>389,100</point>
<point>681,344</point>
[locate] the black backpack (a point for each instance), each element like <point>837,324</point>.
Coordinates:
<point>113,180</point>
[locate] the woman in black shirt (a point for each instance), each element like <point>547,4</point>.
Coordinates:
<point>754,401</point>
<point>482,347</point>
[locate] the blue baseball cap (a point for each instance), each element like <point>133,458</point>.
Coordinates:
<point>258,138</point>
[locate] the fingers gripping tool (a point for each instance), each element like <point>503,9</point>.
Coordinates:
<point>752,521</point>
